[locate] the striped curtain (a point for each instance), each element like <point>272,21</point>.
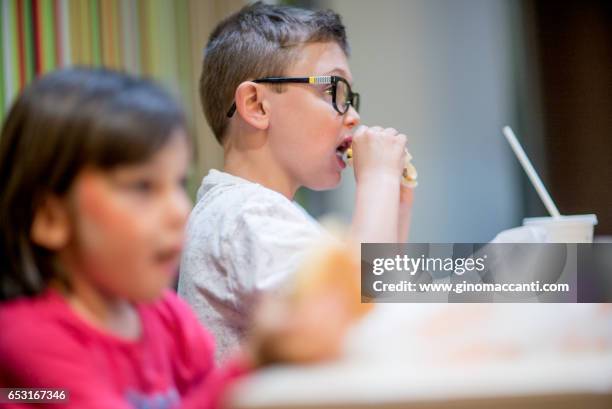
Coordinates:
<point>144,37</point>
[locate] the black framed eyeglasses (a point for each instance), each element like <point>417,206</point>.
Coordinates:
<point>342,95</point>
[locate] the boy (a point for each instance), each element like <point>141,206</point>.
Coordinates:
<point>275,88</point>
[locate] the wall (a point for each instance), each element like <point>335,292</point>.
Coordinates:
<point>443,72</point>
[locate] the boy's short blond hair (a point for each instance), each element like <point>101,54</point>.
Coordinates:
<point>258,41</point>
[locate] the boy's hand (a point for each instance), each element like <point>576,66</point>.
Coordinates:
<point>378,153</point>
<point>382,205</point>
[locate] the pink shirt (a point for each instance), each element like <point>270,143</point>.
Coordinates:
<point>44,344</point>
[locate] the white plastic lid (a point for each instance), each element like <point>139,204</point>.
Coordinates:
<point>576,218</point>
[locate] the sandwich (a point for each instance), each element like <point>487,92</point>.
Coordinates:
<point>409,174</point>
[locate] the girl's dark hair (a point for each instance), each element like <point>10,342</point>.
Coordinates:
<point>64,121</point>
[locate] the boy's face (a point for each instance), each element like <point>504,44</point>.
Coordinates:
<point>128,224</point>
<point>305,130</point>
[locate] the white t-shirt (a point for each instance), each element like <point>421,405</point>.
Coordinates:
<point>242,239</point>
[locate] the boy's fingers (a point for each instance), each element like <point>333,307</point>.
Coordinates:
<point>389,135</point>
<point>367,133</point>
<point>359,132</point>
<point>403,139</point>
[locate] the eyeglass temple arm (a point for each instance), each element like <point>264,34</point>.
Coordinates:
<point>321,79</point>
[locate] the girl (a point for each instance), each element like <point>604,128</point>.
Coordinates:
<point>92,213</point>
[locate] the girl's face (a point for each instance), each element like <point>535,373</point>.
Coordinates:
<point>127,225</point>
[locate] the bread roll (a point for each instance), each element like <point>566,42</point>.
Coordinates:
<point>333,269</point>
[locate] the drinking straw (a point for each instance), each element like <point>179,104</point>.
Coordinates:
<point>531,173</point>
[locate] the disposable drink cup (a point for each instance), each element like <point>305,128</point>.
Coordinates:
<point>566,229</point>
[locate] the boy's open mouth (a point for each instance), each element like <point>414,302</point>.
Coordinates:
<point>341,149</point>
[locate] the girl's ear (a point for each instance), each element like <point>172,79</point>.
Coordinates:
<point>51,224</point>
<point>250,105</point>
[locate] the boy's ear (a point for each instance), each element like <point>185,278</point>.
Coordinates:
<point>51,224</point>
<point>251,106</point>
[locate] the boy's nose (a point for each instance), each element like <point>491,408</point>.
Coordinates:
<point>351,118</point>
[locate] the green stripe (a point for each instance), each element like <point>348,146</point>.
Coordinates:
<point>28,40</point>
<point>15,50</point>
<point>48,39</point>
<point>96,53</point>
<point>162,13</point>
<point>117,57</point>
<point>2,46</point>
<point>85,28</point>
<point>153,40</point>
